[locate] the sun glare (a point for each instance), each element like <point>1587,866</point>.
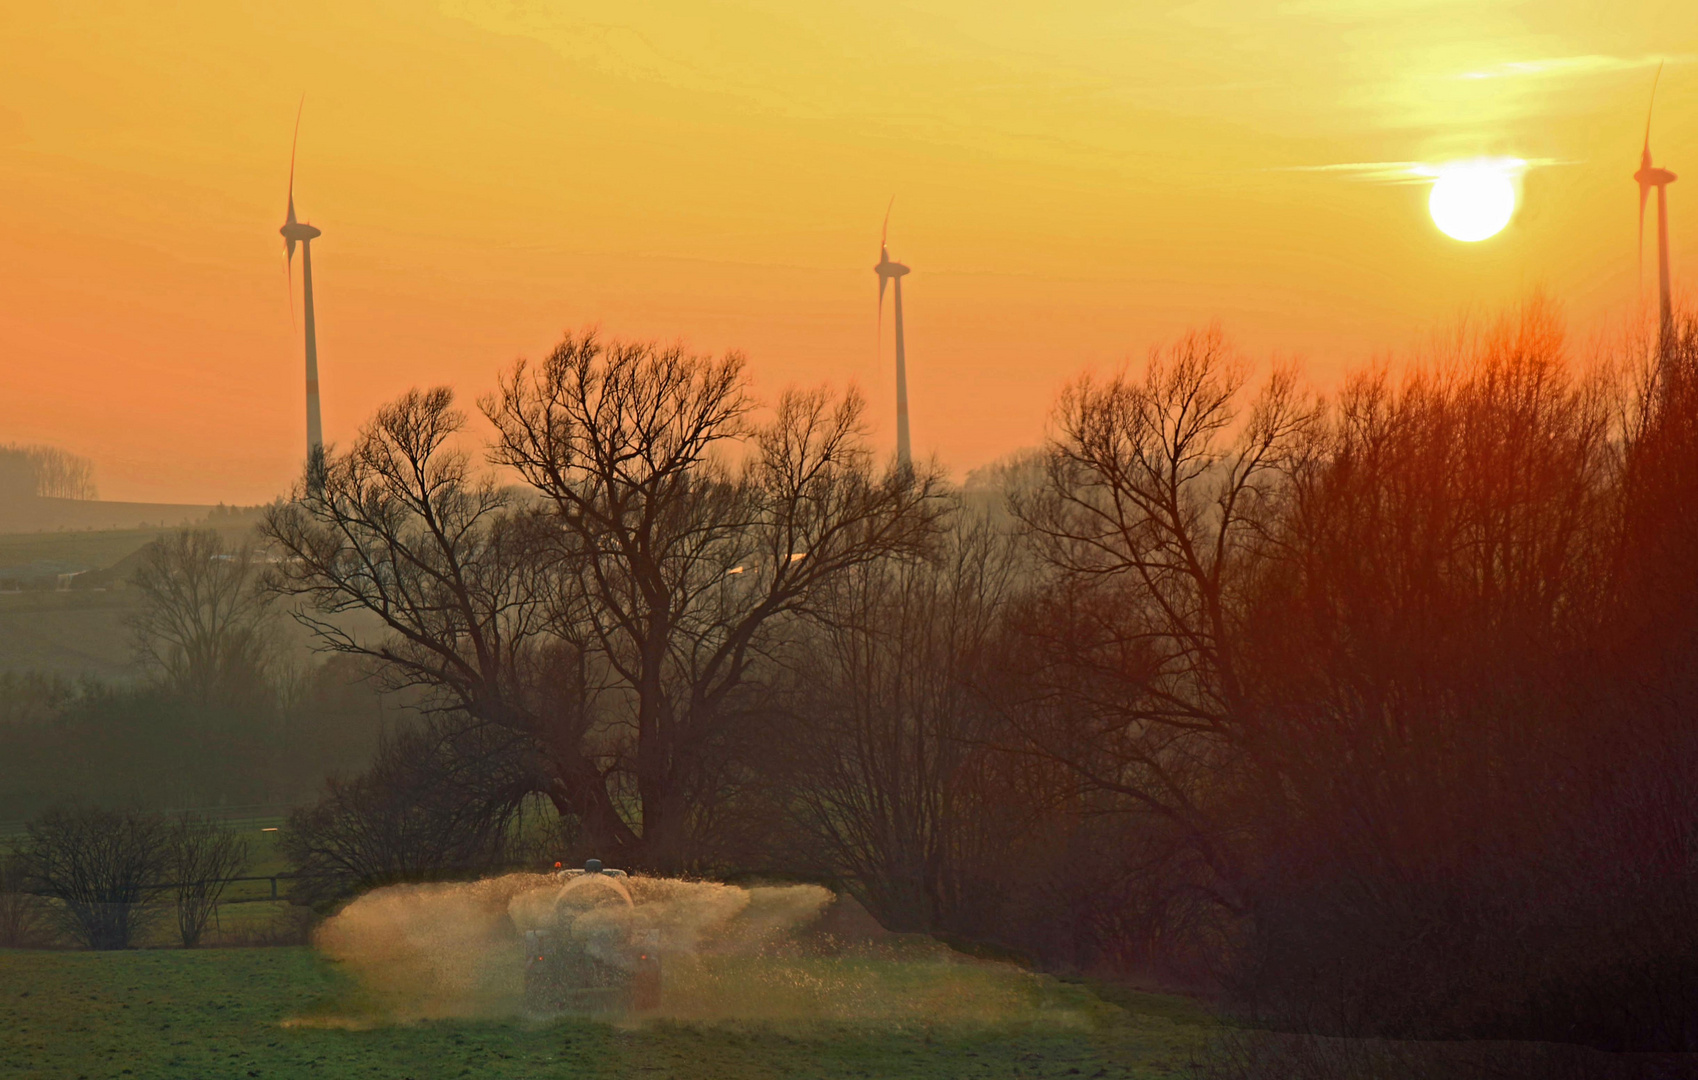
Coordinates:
<point>1473,200</point>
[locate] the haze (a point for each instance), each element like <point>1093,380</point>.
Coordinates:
<point>1074,182</point>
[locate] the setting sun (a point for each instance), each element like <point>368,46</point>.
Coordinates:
<point>1473,200</point>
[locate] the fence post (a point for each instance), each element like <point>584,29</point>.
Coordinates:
<point>274,888</point>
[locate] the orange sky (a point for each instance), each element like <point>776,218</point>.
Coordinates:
<point>1075,181</point>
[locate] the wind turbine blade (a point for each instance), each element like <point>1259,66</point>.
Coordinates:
<point>293,144</point>
<point>884,234</point>
<point>289,284</point>
<point>1644,188</point>
<point>1657,78</point>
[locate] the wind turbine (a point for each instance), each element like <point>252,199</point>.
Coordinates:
<point>299,232</point>
<point>889,271</point>
<point>1649,176</point>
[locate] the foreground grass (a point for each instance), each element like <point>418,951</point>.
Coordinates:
<point>220,1013</point>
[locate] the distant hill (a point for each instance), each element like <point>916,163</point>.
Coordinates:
<point>38,514</point>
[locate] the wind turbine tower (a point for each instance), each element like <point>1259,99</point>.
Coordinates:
<point>299,232</point>
<point>889,271</point>
<point>1650,176</point>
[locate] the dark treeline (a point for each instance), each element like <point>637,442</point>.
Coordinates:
<point>222,716</point>
<point>144,745</point>
<point>1374,713</point>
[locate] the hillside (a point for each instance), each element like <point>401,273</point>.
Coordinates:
<point>51,515</point>
<point>63,599</point>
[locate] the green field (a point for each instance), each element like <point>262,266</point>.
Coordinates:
<point>228,1013</point>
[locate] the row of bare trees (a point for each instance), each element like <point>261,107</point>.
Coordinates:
<point>44,471</point>
<point>1373,710</point>
<point>1389,673</point>
<point>103,875</point>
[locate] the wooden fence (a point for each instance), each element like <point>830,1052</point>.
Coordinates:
<point>251,818</point>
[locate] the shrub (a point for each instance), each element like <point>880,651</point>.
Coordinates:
<point>103,866</point>
<point>438,803</point>
<point>203,858</point>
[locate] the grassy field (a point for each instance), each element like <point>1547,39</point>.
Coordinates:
<point>80,631</point>
<point>74,633</point>
<point>237,1012</point>
<point>67,633</point>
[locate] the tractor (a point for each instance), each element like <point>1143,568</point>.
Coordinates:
<point>585,952</point>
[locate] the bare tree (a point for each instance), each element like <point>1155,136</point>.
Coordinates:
<point>464,592</point>
<point>1424,656</point>
<point>203,857</point>
<point>203,623</point>
<point>682,566</point>
<point>103,866</point>
<point>437,803</point>
<point>615,622</point>
<point>890,745</point>
<point>1155,500</point>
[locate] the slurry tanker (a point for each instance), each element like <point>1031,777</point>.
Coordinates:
<point>585,953</point>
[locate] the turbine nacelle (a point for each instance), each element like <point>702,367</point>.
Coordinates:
<point>887,270</point>
<point>294,232</point>
<point>1650,176</point>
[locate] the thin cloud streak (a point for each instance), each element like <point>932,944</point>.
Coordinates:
<point>1410,172</point>
<point>1572,66</point>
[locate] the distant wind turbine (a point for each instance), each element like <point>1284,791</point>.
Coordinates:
<point>300,232</point>
<point>889,271</point>
<point>1649,176</point>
